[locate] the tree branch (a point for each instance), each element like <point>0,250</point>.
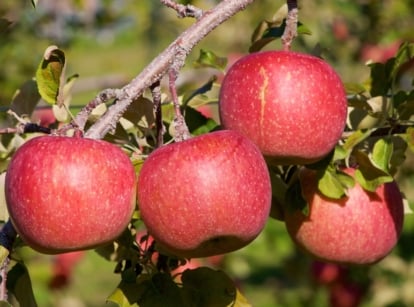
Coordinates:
<point>162,63</point>
<point>184,10</point>
<point>291,25</point>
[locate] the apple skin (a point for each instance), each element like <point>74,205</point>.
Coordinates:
<point>291,105</point>
<point>361,228</point>
<point>205,196</point>
<point>69,193</point>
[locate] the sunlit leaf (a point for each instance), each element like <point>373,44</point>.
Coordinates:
<point>332,184</point>
<point>205,287</point>
<point>25,99</point>
<point>4,214</point>
<point>367,174</point>
<point>240,301</point>
<point>354,88</point>
<point>404,55</point>
<point>208,58</point>
<point>355,138</point>
<point>34,3</point>
<point>19,283</point>
<point>382,153</point>
<point>409,137</point>
<point>124,295</point>
<point>50,75</point>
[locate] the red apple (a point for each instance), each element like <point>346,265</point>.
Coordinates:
<point>326,273</point>
<point>44,117</point>
<point>345,294</point>
<point>63,268</point>
<point>69,193</point>
<point>361,228</point>
<point>292,105</point>
<point>205,196</point>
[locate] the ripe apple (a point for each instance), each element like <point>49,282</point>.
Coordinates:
<point>361,228</point>
<point>327,273</point>
<point>291,105</point>
<point>205,196</point>
<point>69,193</point>
<point>63,268</point>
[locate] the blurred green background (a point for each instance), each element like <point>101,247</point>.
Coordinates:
<point>109,42</point>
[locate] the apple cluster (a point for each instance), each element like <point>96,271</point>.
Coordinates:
<point>211,194</point>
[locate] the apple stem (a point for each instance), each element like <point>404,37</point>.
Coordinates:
<point>291,25</point>
<point>181,131</point>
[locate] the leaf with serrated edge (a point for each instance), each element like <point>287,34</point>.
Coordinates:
<point>382,153</point>
<point>50,75</point>
<point>404,55</point>
<point>368,175</point>
<point>330,186</point>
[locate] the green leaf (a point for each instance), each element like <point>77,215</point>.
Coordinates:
<point>201,90</point>
<point>197,123</point>
<point>25,99</point>
<point>240,301</point>
<point>5,304</point>
<point>367,174</point>
<point>355,138</point>
<point>4,214</point>
<point>380,82</point>
<point>50,75</point>
<point>333,183</point>
<point>204,287</point>
<point>34,3</point>
<point>404,55</point>
<point>208,58</point>
<point>409,137</point>
<point>272,32</point>
<point>382,153</point>
<point>294,199</point>
<point>354,88</point>
<point>19,283</point>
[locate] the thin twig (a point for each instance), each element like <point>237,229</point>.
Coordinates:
<point>161,64</point>
<point>181,132</point>
<point>184,10</point>
<point>291,25</point>
<point>156,99</point>
<point>82,117</point>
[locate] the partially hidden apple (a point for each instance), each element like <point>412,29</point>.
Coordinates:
<point>361,228</point>
<point>291,105</point>
<point>205,196</point>
<point>69,193</point>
